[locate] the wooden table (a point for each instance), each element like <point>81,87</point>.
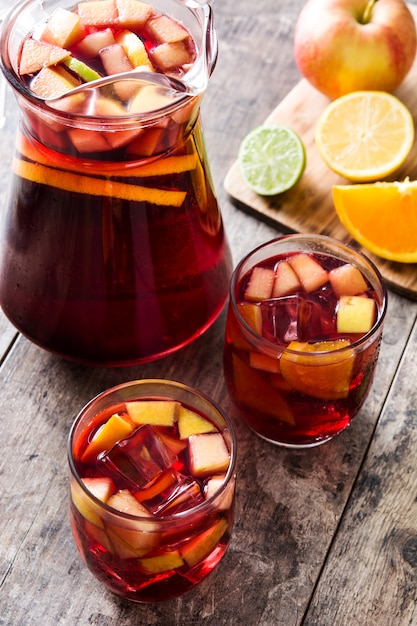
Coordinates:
<point>323,537</point>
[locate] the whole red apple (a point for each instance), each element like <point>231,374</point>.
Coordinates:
<point>342,46</point>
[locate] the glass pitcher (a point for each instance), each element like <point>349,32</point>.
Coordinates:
<point>113,250</point>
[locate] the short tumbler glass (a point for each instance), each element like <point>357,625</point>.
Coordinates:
<point>152,474</point>
<point>303,332</point>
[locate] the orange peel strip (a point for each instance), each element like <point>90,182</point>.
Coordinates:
<point>160,167</point>
<point>95,186</point>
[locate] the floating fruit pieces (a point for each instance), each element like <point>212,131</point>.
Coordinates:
<point>272,159</point>
<point>165,421</point>
<point>322,369</point>
<point>365,135</point>
<point>382,217</point>
<point>171,47</point>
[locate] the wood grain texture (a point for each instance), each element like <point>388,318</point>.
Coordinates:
<point>308,207</point>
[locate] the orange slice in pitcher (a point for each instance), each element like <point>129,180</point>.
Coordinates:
<point>319,369</point>
<point>88,185</point>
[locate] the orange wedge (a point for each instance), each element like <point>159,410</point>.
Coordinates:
<point>321,370</point>
<point>365,135</point>
<point>159,167</point>
<point>382,217</point>
<point>78,183</point>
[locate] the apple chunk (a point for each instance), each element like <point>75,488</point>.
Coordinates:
<point>355,314</point>
<point>134,49</point>
<point>162,562</point>
<point>155,412</point>
<point>191,423</point>
<point>199,547</point>
<point>125,502</point>
<point>85,505</point>
<point>133,12</point>
<point>309,271</point>
<point>347,280</point>
<point>92,43</point>
<point>166,30</point>
<point>98,12</point>
<point>169,56</point>
<point>38,54</point>
<point>260,284</point>
<point>101,488</point>
<point>208,454</point>
<point>63,28</point>
<point>286,280</point>
<point>53,82</point>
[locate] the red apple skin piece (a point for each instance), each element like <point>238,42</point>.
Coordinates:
<point>309,271</point>
<point>347,280</point>
<point>286,280</point>
<point>338,52</point>
<point>260,284</point>
<point>39,54</point>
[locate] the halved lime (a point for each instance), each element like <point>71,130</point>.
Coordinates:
<point>272,159</point>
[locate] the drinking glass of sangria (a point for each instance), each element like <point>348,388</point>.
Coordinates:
<point>303,332</point>
<point>152,473</point>
<point>113,250</point>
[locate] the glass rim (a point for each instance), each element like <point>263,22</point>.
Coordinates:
<point>165,519</point>
<point>272,347</point>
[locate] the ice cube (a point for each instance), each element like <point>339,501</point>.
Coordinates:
<point>286,319</point>
<point>137,460</point>
<point>145,465</point>
<point>171,492</point>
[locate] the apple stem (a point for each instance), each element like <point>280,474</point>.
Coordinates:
<point>366,17</point>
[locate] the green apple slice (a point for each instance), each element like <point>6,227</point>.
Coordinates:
<point>80,68</point>
<point>190,423</point>
<point>155,412</point>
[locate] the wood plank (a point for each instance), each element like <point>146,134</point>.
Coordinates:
<point>379,531</point>
<point>308,207</point>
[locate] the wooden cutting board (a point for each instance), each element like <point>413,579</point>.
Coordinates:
<point>308,207</point>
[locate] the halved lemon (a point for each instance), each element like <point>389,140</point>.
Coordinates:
<point>382,217</point>
<point>272,159</point>
<point>365,135</point>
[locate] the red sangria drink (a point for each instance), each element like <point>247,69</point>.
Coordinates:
<point>303,331</point>
<point>113,248</point>
<point>152,488</point>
